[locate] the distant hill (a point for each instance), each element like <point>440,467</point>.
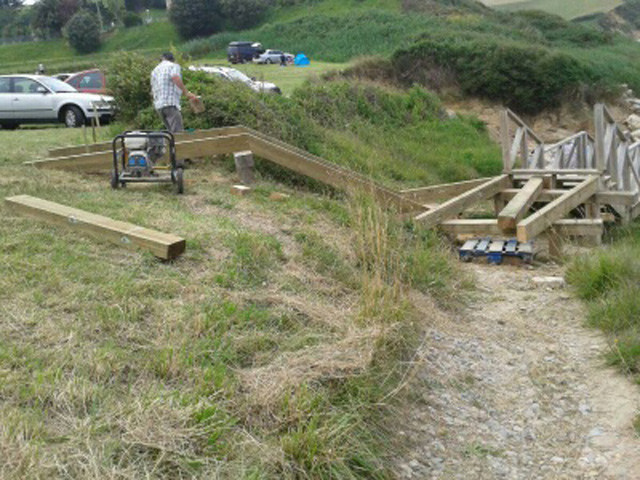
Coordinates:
<point>568,9</point>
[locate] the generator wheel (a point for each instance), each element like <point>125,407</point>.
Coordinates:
<point>179,180</point>
<point>114,180</point>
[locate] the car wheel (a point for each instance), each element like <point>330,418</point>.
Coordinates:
<point>73,117</point>
<point>9,126</point>
<point>268,61</point>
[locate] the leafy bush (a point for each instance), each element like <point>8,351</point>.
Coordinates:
<point>241,14</point>
<point>527,79</point>
<point>196,18</point>
<point>83,32</point>
<point>630,11</point>
<point>556,29</point>
<point>129,81</point>
<point>132,19</point>
<point>51,15</point>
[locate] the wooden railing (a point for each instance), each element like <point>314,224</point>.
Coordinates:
<point>516,139</point>
<point>575,152</point>
<point>616,157</point>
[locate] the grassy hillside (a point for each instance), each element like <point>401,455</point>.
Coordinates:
<point>270,349</point>
<point>566,8</point>
<point>58,56</point>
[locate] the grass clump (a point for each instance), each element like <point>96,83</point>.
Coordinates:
<point>253,258</point>
<point>609,282</point>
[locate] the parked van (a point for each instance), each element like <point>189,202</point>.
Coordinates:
<point>243,52</point>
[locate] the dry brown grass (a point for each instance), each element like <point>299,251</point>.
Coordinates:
<point>115,365</point>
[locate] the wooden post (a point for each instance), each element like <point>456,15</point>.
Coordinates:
<point>506,141</point>
<point>244,167</point>
<point>556,244</point>
<point>600,140</point>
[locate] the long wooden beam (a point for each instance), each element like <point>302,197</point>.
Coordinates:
<point>457,205</point>
<point>326,172</point>
<point>443,192</point>
<point>162,245</point>
<point>490,227</point>
<point>603,198</point>
<point>538,222</point>
<point>580,227</point>
<point>518,207</point>
<point>179,137</point>
<point>99,161</point>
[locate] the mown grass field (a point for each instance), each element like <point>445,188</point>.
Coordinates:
<point>288,79</point>
<point>566,8</point>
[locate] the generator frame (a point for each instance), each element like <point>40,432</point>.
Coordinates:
<point>119,177</point>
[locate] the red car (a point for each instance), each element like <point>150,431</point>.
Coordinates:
<point>89,81</point>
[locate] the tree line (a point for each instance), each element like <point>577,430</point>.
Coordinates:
<point>81,21</point>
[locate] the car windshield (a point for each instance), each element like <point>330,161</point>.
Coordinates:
<point>56,85</point>
<point>239,76</point>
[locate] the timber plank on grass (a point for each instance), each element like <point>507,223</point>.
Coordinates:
<point>162,245</point>
<point>326,172</point>
<point>179,137</point>
<point>100,161</point>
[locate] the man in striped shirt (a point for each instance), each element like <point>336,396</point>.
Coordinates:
<point>167,88</point>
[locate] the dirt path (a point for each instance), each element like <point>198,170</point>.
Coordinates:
<point>516,389</point>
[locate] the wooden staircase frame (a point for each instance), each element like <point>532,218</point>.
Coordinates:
<point>559,190</point>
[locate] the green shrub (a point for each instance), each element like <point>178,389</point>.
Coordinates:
<point>196,18</point>
<point>83,32</point>
<point>50,16</point>
<point>129,81</point>
<point>528,79</point>
<point>556,29</point>
<point>132,19</point>
<point>241,14</point>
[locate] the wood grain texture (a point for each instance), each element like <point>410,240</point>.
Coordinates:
<point>540,221</point>
<point>457,205</point>
<point>162,245</point>
<point>518,207</point>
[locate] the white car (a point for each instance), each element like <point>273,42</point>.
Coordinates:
<point>40,99</point>
<point>273,57</point>
<point>233,75</point>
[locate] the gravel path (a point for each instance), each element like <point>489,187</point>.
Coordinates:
<point>516,389</point>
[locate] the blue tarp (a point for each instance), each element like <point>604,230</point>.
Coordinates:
<point>301,60</point>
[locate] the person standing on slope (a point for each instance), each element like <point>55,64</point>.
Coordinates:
<point>167,88</point>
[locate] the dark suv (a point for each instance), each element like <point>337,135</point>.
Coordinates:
<point>242,52</point>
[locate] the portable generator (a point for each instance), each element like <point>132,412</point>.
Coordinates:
<point>136,155</point>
